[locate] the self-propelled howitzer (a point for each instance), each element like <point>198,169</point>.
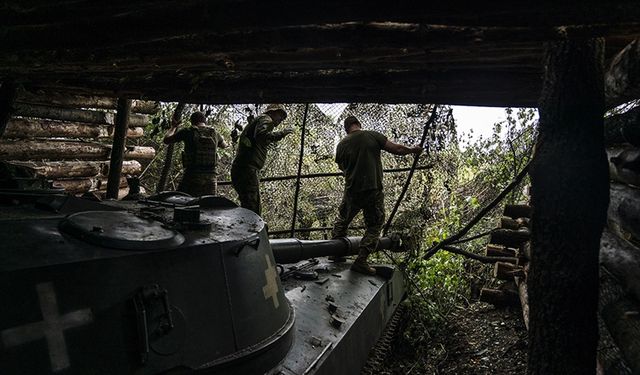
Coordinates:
<point>174,285</point>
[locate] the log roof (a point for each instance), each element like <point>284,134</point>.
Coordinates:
<point>245,51</point>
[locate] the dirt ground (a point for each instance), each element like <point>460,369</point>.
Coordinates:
<point>477,339</point>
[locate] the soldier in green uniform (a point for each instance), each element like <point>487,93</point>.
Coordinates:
<point>358,156</point>
<point>253,145</point>
<point>200,155</point>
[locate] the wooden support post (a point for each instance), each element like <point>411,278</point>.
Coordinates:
<point>294,217</point>
<point>7,99</point>
<point>494,250</point>
<point>117,149</point>
<point>568,177</point>
<point>168,156</point>
<point>507,271</point>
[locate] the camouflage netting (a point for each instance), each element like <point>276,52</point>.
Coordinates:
<point>319,196</point>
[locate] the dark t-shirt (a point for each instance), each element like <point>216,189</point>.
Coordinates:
<point>254,142</point>
<point>358,156</point>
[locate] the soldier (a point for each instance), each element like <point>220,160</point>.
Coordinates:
<point>358,156</point>
<point>199,157</point>
<point>252,154</point>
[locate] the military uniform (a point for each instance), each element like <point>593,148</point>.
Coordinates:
<point>358,156</point>
<point>253,146</point>
<point>199,158</point>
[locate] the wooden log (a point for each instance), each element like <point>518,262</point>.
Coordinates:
<point>499,297</point>
<point>54,169</point>
<point>624,212</point>
<point>508,223</point>
<point>623,128</point>
<point>101,183</point>
<point>622,260</point>
<point>58,99</point>
<point>507,271</point>
<point>117,149</point>
<point>625,330</point>
<point>516,211</point>
<point>66,150</point>
<point>7,99</point>
<point>34,128</point>
<point>75,186</point>
<point>624,165</point>
<point>509,238</point>
<point>493,250</point>
<point>129,168</point>
<point>139,153</point>
<point>76,115</point>
<point>622,79</point>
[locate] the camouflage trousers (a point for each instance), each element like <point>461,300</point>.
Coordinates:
<point>198,183</point>
<point>371,202</point>
<point>246,182</point>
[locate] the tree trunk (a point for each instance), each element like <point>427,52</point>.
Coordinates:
<point>623,77</point>
<point>7,99</point>
<point>118,147</point>
<point>66,100</point>
<point>32,128</point>
<point>76,115</point>
<point>66,150</point>
<point>623,128</point>
<point>568,178</point>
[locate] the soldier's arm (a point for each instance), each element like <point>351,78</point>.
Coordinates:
<point>173,136</point>
<point>398,149</point>
<point>264,131</point>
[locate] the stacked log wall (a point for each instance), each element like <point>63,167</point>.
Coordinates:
<point>64,141</point>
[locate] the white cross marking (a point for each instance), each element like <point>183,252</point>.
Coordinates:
<point>271,289</point>
<point>51,327</point>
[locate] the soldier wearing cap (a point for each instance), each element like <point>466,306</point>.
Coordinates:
<point>358,156</point>
<point>253,145</point>
<point>200,155</point>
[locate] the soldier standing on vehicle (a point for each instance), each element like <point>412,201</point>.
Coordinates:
<point>358,156</point>
<point>253,145</point>
<point>200,155</point>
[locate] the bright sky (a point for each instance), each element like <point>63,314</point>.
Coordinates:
<point>480,119</point>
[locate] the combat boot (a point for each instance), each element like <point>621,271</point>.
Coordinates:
<point>360,265</point>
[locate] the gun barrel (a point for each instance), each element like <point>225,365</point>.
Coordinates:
<point>293,250</point>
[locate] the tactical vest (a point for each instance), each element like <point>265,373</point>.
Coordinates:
<point>202,156</point>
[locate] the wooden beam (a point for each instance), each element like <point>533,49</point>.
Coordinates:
<point>7,99</point>
<point>568,173</point>
<point>30,27</point>
<point>76,115</point>
<point>118,147</point>
<point>622,80</point>
<point>34,128</point>
<point>68,169</point>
